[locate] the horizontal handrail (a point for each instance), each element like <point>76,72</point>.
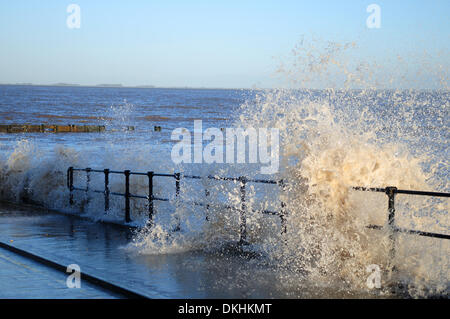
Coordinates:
<point>390,191</point>
<point>264,211</point>
<point>242,180</point>
<point>401,191</point>
<point>413,232</point>
<point>220,178</point>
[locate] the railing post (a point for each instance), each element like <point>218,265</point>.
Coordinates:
<point>283,218</point>
<point>243,219</point>
<point>177,194</point>
<point>177,184</point>
<point>88,182</point>
<point>127,196</point>
<point>390,192</point>
<point>70,184</point>
<point>283,212</point>
<point>150,197</point>
<point>207,205</point>
<point>106,171</point>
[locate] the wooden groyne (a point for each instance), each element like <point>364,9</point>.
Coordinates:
<point>50,128</point>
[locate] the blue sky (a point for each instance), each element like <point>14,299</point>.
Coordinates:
<point>204,43</point>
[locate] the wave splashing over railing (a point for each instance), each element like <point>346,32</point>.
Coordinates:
<point>338,138</point>
<point>331,141</point>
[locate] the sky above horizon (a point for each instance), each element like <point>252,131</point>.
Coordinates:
<point>228,44</point>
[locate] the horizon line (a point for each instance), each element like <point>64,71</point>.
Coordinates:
<point>121,86</point>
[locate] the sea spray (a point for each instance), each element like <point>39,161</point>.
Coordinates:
<point>338,138</point>
<point>353,135</point>
<point>332,140</point>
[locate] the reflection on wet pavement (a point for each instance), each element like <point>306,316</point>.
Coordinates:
<point>98,250</point>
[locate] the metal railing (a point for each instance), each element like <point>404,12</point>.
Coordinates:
<point>242,180</point>
<point>391,191</point>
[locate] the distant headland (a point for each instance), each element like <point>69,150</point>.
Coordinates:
<point>113,85</point>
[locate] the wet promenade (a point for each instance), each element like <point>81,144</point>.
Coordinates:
<point>21,277</point>
<point>98,250</point>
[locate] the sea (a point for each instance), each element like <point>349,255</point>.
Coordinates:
<point>330,140</point>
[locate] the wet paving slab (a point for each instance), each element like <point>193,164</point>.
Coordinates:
<point>99,251</point>
<point>22,278</point>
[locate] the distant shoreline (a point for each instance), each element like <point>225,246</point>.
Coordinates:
<point>120,86</point>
